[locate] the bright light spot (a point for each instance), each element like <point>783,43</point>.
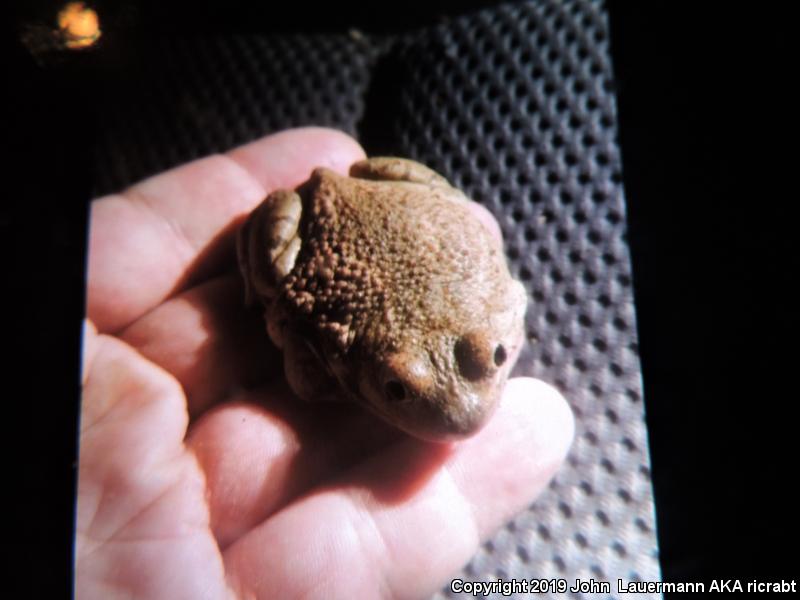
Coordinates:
<point>79,25</point>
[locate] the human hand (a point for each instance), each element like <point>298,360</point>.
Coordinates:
<point>201,478</point>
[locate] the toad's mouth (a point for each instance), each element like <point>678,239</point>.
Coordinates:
<point>450,417</point>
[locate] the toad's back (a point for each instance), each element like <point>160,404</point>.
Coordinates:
<point>387,259</point>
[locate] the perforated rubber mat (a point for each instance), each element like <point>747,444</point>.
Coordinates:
<point>515,105</point>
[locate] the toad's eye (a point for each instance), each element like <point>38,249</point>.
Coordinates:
<point>395,390</point>
<point>500,355</point>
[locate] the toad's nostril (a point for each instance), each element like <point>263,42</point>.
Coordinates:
<point>500,355</point>
<point>474,356</point>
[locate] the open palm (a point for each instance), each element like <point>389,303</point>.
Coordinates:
<point>200,475</point>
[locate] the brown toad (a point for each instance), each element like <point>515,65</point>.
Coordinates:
<point>385,286</point>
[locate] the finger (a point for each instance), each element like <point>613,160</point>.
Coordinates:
<point>139,492</point>
<point>264,448</point>
<point>208,341</point>
<point>400,523</point>
<point>152,240</point>
<point>133,420</point>
<point>528,447</point>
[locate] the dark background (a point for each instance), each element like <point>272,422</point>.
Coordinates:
<point>705,112</point>
<point>706,116</point>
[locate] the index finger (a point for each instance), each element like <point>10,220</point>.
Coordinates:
<point>156,238</point>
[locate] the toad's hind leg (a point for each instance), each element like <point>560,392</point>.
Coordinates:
<point>305,374</point>
<point>268,244</point>
<point>388,168</point>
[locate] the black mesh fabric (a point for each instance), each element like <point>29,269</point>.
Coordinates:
<point>515,105</point>
<point>180,98</point>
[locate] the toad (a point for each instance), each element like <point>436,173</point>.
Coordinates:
<point>386,289</point>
